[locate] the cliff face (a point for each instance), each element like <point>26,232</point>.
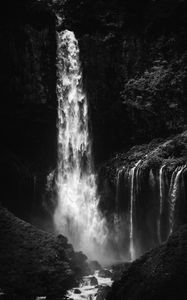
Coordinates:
<point>134,62</point>
<point>28,106</point>
<point>143,194</point>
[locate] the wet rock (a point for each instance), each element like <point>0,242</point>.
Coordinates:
<point>105,273</point>
<point>94,265</point>
<point>118,269</point>
<point>93,281</point>
<point>102,292</point>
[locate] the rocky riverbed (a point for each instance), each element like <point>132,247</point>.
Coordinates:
<point>92,287</point>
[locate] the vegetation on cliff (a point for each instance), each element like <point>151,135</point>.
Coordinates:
<point>171,151</point>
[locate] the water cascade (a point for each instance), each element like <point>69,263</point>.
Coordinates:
<point>117,200</point>
<point>147,204</point>
<point>76,215</point>
<point>88,289</point>
<point>132,207</point>
<point>161,189</point>
<point>173,193</point>
<point>137,206</point>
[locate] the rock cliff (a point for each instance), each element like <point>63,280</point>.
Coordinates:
<point>159,274</point>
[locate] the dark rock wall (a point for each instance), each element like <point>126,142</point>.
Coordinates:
<point>28,104</point>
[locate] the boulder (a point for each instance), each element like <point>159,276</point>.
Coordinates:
<point>93,281</point>
<point>105,273</point>
<point>118,269</point>
<point>102,292</point>
<point>94,265</point>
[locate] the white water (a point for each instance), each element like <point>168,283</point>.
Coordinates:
<point>161,187</point>
<point>132,205</point>
<point>88,291</point>
<point>117,200</point>
<point>117,217</point>
<point>173,194</point>
<point>76,214</point>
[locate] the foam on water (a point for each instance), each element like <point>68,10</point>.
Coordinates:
<point>88,291</point>
<point>76,215</point>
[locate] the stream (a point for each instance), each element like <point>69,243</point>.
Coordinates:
<point>89,287</point>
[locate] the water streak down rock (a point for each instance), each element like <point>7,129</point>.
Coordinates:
<point>173,194</point>
<point>161,188</point>
<point>132,207</point>
<point>149,205</point>
<point>76,215</point>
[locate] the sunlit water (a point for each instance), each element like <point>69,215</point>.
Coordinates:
<point>76,215</point>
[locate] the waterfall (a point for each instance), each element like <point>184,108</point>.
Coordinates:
<point>76,215</point>
<point>132,206</point>
<point>117,200</point>
<point>117,217</point>
<point>161,188</point>
<point>174,186</point>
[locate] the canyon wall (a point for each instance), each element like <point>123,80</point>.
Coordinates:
<point>28,105</point>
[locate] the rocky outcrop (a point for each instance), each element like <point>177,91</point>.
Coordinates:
<point>159,274</point>
<point>36,263</point>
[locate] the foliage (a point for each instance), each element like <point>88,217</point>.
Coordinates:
<point>157,97</point>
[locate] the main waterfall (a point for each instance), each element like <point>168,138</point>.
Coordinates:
<point>76,215</point>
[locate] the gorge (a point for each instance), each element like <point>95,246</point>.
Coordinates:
<point>93,149</point>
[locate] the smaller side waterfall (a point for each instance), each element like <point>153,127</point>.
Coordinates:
<point>161,192</point>
<point>161,187</point>
<point>117,200</point>
<point>173,193</point>
<point>148,203</point>
<point>132,207</point>
<point>117,216</point>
